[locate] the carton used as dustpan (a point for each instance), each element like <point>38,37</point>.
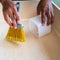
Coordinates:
<point>37,28</point>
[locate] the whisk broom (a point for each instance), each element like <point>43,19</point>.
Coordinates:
<point>16,34</point>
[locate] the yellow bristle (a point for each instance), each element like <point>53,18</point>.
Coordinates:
<point>16,34</point>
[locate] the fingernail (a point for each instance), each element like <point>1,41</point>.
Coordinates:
<point>15,27</point>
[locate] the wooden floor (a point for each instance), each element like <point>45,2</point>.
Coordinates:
<point>44,48</point>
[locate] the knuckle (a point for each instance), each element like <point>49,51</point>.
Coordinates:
<point>52,15</point>
<point>14,7</point>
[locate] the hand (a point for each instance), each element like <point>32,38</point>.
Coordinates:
<point>46,10</point>
<point>10,13</point>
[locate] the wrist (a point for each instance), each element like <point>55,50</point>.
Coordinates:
<point>1,1</point>
<point>44,2</point>
<point>5,1</point>
<point>6,4</point>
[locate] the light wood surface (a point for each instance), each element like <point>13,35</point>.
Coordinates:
<point>44,48</point>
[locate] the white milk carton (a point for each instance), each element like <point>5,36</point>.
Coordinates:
<point>37,28</point>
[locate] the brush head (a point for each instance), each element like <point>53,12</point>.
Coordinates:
<point>16,34</point>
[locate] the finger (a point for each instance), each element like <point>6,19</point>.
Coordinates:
<point>16,14</point>
<point>7,19</point>
<point>38,9</point>
<point>48,18</point>
<point>12,18</point>
<point>10,13</point>
<point>52,17</point>
<point>14,24</point>
<point>43,17</point>
<point>13,21</point>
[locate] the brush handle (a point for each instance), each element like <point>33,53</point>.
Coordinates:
<point>18,6</point>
